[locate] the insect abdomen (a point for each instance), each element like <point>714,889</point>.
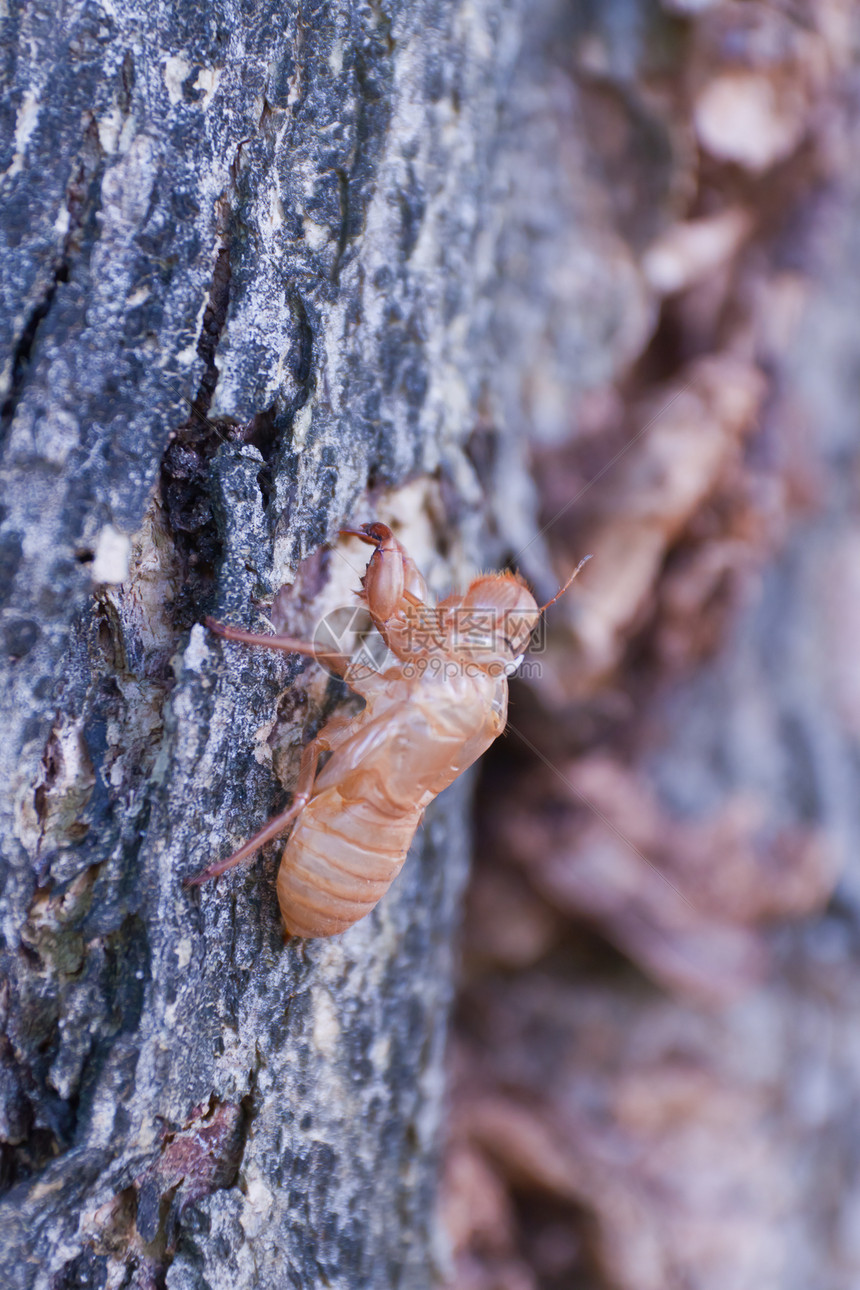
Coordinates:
<point>339,862</point>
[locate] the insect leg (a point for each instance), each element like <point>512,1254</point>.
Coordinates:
<point>275,826</point>
<point>286,644</point>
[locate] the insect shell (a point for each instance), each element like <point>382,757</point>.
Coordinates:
<point>426,719</point>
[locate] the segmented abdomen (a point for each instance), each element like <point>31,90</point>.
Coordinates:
<point>340,859</point>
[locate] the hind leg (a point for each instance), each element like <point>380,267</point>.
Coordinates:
<point>330,735</point>
<point>276,826</point>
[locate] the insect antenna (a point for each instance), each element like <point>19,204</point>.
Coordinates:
<point>563,589</point>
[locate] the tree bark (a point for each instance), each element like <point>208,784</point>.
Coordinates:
<point>265,269</point>
<point>249,258</point>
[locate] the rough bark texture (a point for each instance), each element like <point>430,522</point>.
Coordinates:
<point>261,265</point>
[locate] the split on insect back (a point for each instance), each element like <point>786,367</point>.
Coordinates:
<point>434,709</point>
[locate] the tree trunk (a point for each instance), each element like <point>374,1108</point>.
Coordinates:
<point>267,270</point>
<point>250,268</point>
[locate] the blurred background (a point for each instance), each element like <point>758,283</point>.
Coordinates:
<point>656,1058</point>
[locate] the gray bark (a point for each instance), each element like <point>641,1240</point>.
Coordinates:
<point>250,262</point>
